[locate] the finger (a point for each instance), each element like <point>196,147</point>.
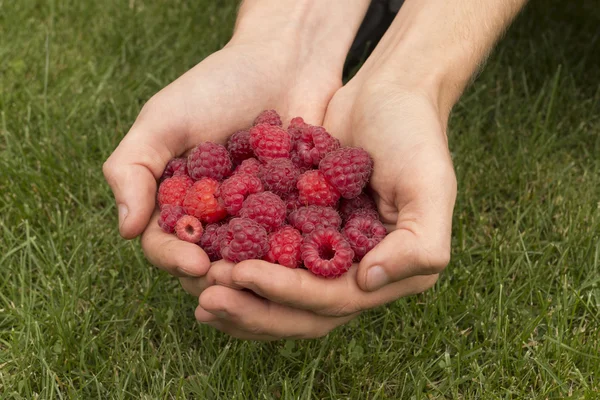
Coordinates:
<point>175,256</point>
<point>421,242</point>
<point>219,273</point>
<point>262,317</point>
<point>299,288</point>
<point>231,330</point>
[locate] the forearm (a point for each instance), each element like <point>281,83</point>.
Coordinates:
<point>439,45</point>
<point>318,31</point>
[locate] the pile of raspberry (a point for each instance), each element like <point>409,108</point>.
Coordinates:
<point>293,197</point>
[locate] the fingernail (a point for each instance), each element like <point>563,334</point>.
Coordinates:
<point>376,278</point>
<point>123,211</point>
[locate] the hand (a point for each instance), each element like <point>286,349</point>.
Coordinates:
<point>415,188</point>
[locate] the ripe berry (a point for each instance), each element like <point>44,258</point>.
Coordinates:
<point>201,201</point>
<point>268,117</point>
<point>209,241</point>
<point>284,247</point>
<point>242,239</point>
<point>307,219</point>
<point>234,190</point>
<point>363,200</point>
<point>188,228</point>
<point>348,169</point>
<point>266,208</point>
<point>365,213</point>
<point>363,233</point>
<point>239,146</point>
<point>313,143</point>
<point>270,142</point>
<point>209,160</point>
<point>314,189</point>
<point>279,176</point>
<point>169,215</point>
<point>326,252</point>
<point>172,190</point>
<point>177,166</point>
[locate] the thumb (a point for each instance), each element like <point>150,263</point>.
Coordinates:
<point>135,165</point>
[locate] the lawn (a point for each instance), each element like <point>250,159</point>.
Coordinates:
<point>83,315</point>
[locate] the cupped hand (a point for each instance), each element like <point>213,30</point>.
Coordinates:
<point>415,188</point>
<point>220,95</point>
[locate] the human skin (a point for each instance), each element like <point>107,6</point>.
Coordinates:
<point>396,107</point>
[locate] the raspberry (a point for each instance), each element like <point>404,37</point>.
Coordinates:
<point>363,200</point>
<point>209,241</point>
<point>243,239</point>
<point>296,127</point>
<point>363,233</point>
<point>209,160</point>
<point>270,142</point>
<point>266,208</point>
<point>249,166</point>
<point>284,247</point>
<point>291,202</point>
<point>327,253</point>
<point>313,189</point>
<point>169,215</point>
<point>200,201</point>
<point>313,143</point>
<point>239,146</point>
<point>348,170</point>
<point>279,176</point>
<point>307,219</point>
<point>268,117</point>
<point>177,166</point>
<point>363,212</point>
<point>188,228</point>
<point>172,190</point>
<point>234,190</point>
<point>298,161</point>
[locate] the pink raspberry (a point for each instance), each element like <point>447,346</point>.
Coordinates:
<point>177,166</point>
<point>234,190</point>
<point>209,241</point>
<point>363,233</point>
<point>249,166</point>
<point>296,127</point>
<point>314,189</point>
<point>169,215</point>
<point>268,117</point>
<point>363,200</point>
<point>365,213</point>
<point>209,160</point>
<point>298,161</point>
<point>201,201</point>
<point>327,253</point>
<point>188,228</point>
<point>243,239</point>
<point>270,142</point>
<point>348,169</point>
<point>307,219</point>
<point>239,146</point>
<point>172,190</point>
<point>279,176</point>
<point>291,202</point>
<point>313,143</point>
<point>266,208</point>
<point>284,247</point>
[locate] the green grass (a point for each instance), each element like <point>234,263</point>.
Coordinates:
<point>83,315</point>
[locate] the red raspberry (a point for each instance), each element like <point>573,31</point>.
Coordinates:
<point>239,146</point>
<point>363,212</point>
<point>363,233</point>
<point>279,176</point>
<point>265,208</point>
<point>270,142</point>
<point>268,117</point>
<point>209,160</point>
<point>201,202</point>
<point>177,166</point>
<point>291,202</point>
<point>307,219</point>
<point>234,190</point>
<point>243,239</point>
<point>363,200</point>
<point>298,161</point>
<point>172,190</point>
<point>313,143</point>
<point>314,189</point>
<point>327,253</point>
<point>209,241</point>
<point>296,127</point>
<point>188,228</point>
<point>169,215</point>
<point>249,166</point>
<point>348,170</point>
<point>284,247</point>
